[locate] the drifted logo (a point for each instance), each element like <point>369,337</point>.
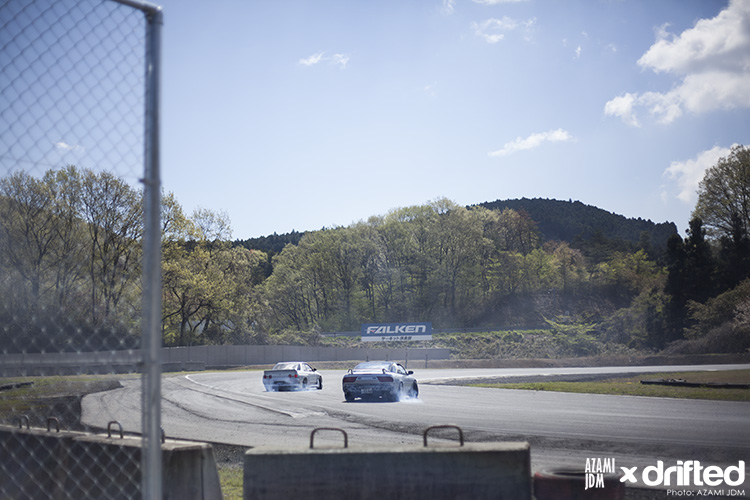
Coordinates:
<point>688,473</point>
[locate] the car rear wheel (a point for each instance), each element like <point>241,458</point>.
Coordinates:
<point>348,396</point>
<point>395,396</point>
<point>414,391</point>
<point>304,384</point>
<point>320,383</point>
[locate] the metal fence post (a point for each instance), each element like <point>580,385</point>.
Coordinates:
<point>79,126</point>
<point>152,342</point>
<point>151,461</point>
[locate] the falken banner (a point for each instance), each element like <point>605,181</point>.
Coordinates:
<point>384,332</point>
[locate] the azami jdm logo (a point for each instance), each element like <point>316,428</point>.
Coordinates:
<point>595,470</point>
<point>689,473</point>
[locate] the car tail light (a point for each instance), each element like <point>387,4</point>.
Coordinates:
<point>293,375</point>
<point>349,380</point>
<point>266,376</point>
<point>385,379</point>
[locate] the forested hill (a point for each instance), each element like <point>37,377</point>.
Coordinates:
<point>569,221</point>
<point>272,244</point>
<point>573,221</point>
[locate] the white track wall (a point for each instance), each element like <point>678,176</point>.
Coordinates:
<point>199,358</point>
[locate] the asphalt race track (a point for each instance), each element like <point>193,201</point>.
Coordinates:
<point>563,429</point>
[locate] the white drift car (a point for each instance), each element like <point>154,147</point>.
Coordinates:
<point>379,379</point>
<point>292,376</point>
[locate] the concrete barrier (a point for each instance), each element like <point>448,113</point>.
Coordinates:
<point>38,463</point>
<point>473,471</point>
<point>110,468</point>
<point>34,462</point>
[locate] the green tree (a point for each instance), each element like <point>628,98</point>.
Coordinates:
<point>287,293</point>
<point>410,240</point>
<point>570,265</point>
<point>242,320</point>
<point>374,276</point>
<point>185,288</point>
<point>176,226</point>
<point>113,213</point>
<point>70,262</point>
<point>29,231</point>
<point>460,241</point>
<point>337,259</point>
<point>724,193</point>
<point>209,287</point>
<point>211,226</point>
<point>507,268</point>
<point>393,286</point>
<point>538,271</point>
<point>699,263</point>
<point>734,256</point>
<point>690,268</point>
<point>69,250</point>
<point>626,275</point>
<point>517,232</point>
<point>676,289</point>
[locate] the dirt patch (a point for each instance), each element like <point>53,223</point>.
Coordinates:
<point>227,455</point>
<point>67,411</point>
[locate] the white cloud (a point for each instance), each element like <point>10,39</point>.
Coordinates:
<point>493,30</point>
<point>448,7</point>
<point>340,59</point>
<point>68,147</point>
<point>578,52</point>
<point>711,60</point>
<point>533,141</point>
<point>722,41</point>
<point>690,173</point>
<point>336,59</point>
<point>312,60</point>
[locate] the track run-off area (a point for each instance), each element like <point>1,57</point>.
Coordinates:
<point>564,429</point>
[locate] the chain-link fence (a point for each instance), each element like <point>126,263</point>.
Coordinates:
<point>79,243</point>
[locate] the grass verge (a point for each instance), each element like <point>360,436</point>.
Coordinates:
<point>631,386</point>
<point>57,396</point>
<point>230,477</point>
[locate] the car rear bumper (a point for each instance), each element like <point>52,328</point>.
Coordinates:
<point>282,385</point>
<point>367,390</point>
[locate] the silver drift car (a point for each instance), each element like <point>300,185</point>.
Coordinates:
<point>292,376</point>
<point>375,380</point>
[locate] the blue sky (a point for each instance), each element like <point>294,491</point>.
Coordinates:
<point>303,114</point>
